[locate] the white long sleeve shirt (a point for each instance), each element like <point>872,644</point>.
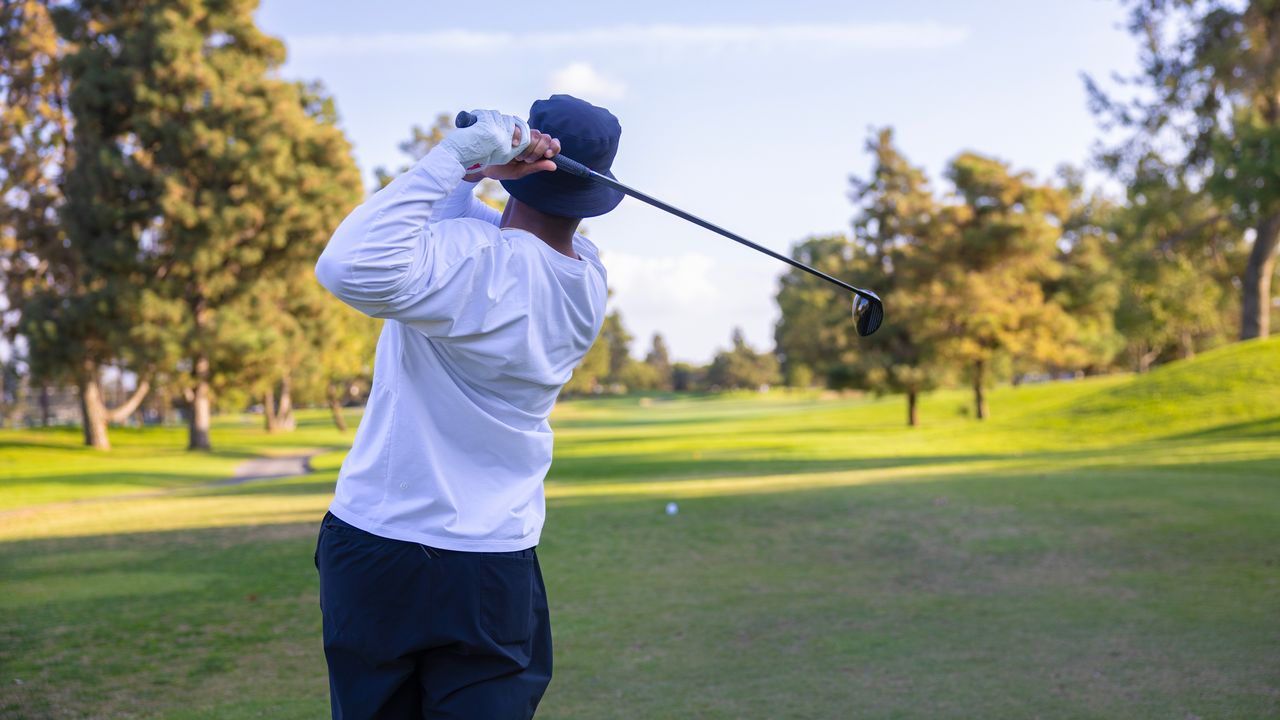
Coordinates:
<point>483,327</point>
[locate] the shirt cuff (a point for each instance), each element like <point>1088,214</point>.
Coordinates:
<point>441,164</point>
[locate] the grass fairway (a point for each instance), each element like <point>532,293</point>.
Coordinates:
<point>1099,549</point>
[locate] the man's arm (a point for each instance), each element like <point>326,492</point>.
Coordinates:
<point>384,247</point>
<point>390,255</point>
<point>462,203</point>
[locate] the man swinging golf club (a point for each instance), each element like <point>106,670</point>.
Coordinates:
<point>430,590</point>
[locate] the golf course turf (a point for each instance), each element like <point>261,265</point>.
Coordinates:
<point>1104,548</point>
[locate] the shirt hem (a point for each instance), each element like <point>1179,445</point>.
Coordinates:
<point>435,541</point>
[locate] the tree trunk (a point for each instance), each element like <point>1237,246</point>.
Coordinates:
<point>1255,303</point>
<point>979,395</point>
<point>285,407</point>
<point>278,416</point>
<point>1143,360</point>
<point>163,403</point>
<point>335,407</point>
<point>1186,346</point>
<point>913,417</point>
<point>44,406</point>
<point>122,413</point>
<point>198,435</point>
<point>93,412</point>
<point>269,410</point>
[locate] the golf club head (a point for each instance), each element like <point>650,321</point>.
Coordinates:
<point>868,313</point>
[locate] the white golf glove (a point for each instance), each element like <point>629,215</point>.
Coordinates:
<point>488,141</point>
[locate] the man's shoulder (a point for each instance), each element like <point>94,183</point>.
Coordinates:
<point>459,237</point>
<point>585,247</point>
<point>590,254</point>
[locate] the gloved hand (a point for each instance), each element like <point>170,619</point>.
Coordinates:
<point>489,140</point>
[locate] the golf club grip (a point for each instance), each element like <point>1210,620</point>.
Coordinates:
<point>573,167</point>
<point>566,164</point>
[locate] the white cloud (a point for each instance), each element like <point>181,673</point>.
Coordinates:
<point>693,299</point>
<point>659,283</point>
<point>581,79</point>
<point>703,38</point>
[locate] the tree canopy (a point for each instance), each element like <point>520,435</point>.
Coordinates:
<point>1205,114</point>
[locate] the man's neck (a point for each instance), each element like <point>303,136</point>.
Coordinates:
<point>558,241</point>
<point>555,232</point>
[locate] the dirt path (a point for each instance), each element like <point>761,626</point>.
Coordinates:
<point>266,468</point>
<point>252,470</point>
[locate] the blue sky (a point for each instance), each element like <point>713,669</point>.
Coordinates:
<point>750,114</point>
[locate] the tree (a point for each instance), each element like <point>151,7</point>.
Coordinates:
<point>617,339</point>
<point>1176,253</point>
<point>995,251</point>
<point>338,347</point>
<point>889,251</point>
<point>895,229</point>
<point>60,292</point>
<point>815,327</point>
<point>638,377</point>
<point>260,345</point>
<point>687,377</point>
<point>1208,103</point>
<point>35,129</point>
<point>660,360</point>
<point>609,361</point>
<point>590,374</point>
<point>742,367</point>
<point>291,343</point>
<point>902,356</point>
<point>1088,285</point>
<point>240,173</point>
<point>344,363</point>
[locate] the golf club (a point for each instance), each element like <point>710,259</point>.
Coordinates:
<point>868,310</point>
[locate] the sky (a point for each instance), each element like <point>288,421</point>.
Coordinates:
<point>752,115</point>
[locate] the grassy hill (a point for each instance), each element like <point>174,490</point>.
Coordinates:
<point>1233,390</point>
<point>1103,548</point>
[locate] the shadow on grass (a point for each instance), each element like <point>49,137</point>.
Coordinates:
<point>143,479</point>
<point>1262,428</point>
<point>320,483</point>
<point>713,431</point>
<point>600,415</point>
<point>639,468</point>
<point>1108,570</point>
<point>8,443</point>
<point>683,466</point>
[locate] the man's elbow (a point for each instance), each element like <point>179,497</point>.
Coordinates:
<point>329,273</point>
<point>370,292</point>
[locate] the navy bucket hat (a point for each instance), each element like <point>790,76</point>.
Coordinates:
<point>588,134</point>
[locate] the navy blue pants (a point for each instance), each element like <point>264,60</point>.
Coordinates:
<point>412,631</point>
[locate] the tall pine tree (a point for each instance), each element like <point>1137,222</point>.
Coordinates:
<point>70,282</point>
<point>239,172</point>
<point>896,226</point>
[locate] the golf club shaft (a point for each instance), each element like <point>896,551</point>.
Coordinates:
<point>573,167</point>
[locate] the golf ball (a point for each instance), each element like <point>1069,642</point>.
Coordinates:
<point>672,508</point>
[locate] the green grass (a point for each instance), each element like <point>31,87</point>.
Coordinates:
<point>1099,549</point>
<point>50,465</point>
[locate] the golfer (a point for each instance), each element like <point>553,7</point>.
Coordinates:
<point>430,590</point>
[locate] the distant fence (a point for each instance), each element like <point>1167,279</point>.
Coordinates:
<point>43,406</point>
